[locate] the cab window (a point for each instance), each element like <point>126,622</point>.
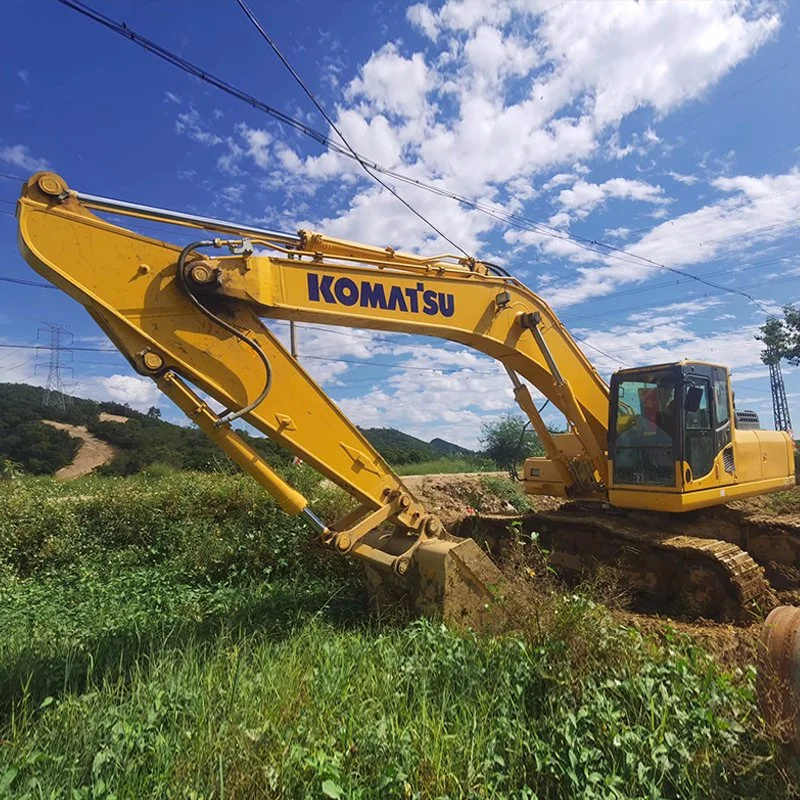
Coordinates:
<point>722,412</point>
<point>699,450</point>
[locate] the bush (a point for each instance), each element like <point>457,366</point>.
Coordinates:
<point>178,636</point>
<point>509,441</point>
<point>206,525</point>
<point>506,490</point>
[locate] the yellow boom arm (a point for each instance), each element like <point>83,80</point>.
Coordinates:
<point>183,315</point>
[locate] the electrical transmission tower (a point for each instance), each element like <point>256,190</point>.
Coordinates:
<point>780,408</point>
<point>773,335</point>
<point>60,338</point>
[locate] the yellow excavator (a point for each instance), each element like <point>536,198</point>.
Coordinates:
<point>638,463</point>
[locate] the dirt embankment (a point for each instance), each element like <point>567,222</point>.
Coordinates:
<point>93,452</point>
<point>454,496</point>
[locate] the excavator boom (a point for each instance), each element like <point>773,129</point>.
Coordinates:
<point>141,293</point>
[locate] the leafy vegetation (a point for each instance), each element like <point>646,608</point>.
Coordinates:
<point>505,490</point>
<point>509,441</point>
<point>180,637</point>
<point>447,464</point>
<point>26,442</point>
<point>781,337</point>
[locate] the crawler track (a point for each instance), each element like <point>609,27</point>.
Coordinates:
<point>666,570</point>
<point>773,541</point>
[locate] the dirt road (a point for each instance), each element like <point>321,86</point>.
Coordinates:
<point>93,452</point>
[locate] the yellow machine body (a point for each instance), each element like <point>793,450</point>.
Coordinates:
<point>184,316</point>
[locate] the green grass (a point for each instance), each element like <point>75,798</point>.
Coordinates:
<point>445,465</point>
<point>182,638</point>
<point>506,489</point>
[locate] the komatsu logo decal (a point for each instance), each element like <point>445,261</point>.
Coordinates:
<point>347,292</point>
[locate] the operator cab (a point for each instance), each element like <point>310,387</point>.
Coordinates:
<point>668,423</point>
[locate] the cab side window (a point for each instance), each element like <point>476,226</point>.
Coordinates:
<point>699,443</point>
<point>722,422</point>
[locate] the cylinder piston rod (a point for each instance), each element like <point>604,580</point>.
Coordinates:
<point>179,218</point>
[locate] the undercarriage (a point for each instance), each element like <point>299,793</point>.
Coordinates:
<point>715,564</point>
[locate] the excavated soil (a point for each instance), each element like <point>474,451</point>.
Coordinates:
<point>453,497</point>
<point>763,524</point>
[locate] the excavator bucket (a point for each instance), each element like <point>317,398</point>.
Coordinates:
<point>452,580</point>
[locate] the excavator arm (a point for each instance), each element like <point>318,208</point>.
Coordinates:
<point>192,316</point>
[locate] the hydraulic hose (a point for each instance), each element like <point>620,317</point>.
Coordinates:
<point>227,416</point>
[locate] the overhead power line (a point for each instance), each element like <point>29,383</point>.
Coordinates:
<point>70,347</point>
<point>275,49</point>
<point>515,220</point>
<point>22,282</point>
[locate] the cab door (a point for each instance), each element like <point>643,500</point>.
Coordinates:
<point>723,425</point>
<point>699,443</point>
<point>708,457</point>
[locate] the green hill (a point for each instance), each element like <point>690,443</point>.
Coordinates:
<point>402,448</point>
<point>444,448</point>
<point>146,439</point>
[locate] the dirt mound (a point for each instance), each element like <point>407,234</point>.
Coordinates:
<point>452,497</point>
<point>478,506</point>
<point>93,452</point>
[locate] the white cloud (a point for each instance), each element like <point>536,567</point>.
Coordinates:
<point>754,210</point>
<point>492,56</point>
<point>740,376</point>
<point>467,15</point>
<point>657,340</point>
<point>171,97</point>
<point>582,74</point>
<point>190,123</point>
<point>20,156</point>
<point>391,83</point>
<point>139,393</point>
<point>423,18</point>
<point>227,162</point>
<point>24,76</point>
<point>232,195</point>
<point>583,197</point>
<point>558,179</point>
<point>257,144</point>
<point>686,180</point>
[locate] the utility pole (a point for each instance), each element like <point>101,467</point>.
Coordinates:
<point>60,337</point>
<point>292,340</point>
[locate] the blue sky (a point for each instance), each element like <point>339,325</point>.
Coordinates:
<point>669,129</point>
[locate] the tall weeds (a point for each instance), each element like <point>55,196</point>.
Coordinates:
<point>182,638</point>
